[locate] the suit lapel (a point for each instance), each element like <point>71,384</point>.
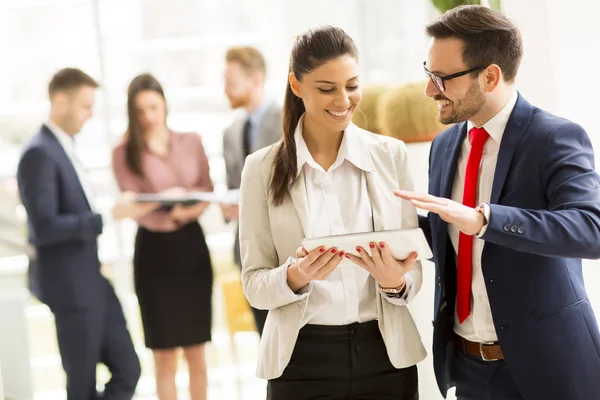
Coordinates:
<point>514,131</point>
<point>66,161</point>
<point>373,186</point>
<point>448,173</point>
<point>238,140</point>
<point>450,163</point>
<point>381,184</point>
<point>298,195</point>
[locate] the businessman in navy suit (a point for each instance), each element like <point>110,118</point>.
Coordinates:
<point>63,228</point>
<point>514,205</point>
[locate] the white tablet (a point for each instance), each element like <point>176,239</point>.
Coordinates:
<point>191,198</point>
<point>401,242</point>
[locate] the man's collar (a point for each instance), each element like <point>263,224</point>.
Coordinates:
<point>496,125</point>
<point>65,140</point>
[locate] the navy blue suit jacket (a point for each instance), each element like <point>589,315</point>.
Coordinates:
<point>62,228</point>
<point>545,217</point>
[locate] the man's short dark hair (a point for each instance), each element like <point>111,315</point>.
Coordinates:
<point>489,37</point>
<point>70,78</point>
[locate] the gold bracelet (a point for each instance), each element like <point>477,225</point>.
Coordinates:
<point>393,291</point>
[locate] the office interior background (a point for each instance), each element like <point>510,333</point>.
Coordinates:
<point>183,43</point>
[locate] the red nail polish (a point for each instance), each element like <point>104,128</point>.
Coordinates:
<point>341,254</point>
<point>333,250</point>
<point>347,256</point>
<point>321,250</point>
<point>382,245</point>
<point>358,249</point>
<point>372,246</point>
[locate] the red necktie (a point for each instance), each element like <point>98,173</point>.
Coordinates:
<point>477,136</point>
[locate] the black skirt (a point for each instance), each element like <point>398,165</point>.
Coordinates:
<point>173,282</point>
<point>341,363</point>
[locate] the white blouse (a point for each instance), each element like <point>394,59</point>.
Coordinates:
<point>339,203</point>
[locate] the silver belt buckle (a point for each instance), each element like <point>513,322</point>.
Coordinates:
<point>481,351</point>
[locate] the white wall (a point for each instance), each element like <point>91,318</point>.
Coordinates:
<point>1,390</point>
<point>559,72</point>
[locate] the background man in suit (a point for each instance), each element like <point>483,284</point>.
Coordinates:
<point>259,127</point>
<point>512,317</point>
<point>63,228</point>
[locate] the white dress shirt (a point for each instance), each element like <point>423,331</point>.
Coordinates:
<point>68,145</point>
<point>339,203</point>
<point>479,325</point>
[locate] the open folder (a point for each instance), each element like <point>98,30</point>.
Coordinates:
<point>191,198</point>
<point>401,242</point>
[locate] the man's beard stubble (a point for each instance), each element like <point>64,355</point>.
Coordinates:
<point>464,109</point>
<point>239,101</point>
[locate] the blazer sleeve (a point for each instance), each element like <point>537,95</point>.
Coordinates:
<point>570,227</point>
<point>413,278</point>
<point>264,281</point>
<point>130,182</point>
<point>38,187</point>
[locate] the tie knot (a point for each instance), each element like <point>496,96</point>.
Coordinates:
<point>478,135</point>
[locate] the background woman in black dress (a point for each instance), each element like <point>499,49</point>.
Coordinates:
<point>172,267</point>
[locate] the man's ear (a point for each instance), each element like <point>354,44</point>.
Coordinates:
<point>60,101</point>
<point>295,85</point>
<point>492,76</point>
<point>258,78</point>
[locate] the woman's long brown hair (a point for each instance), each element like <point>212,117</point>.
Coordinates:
<point>135,140</point>
<point>310,50</point>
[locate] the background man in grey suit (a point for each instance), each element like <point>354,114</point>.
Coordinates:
<point>259,127</point>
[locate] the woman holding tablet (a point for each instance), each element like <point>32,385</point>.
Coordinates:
<point>338,325</point>
<point>171,262</point>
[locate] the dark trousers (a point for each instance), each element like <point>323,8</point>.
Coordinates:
<point>260,316</point>
<point>97,335</point>
<point>476,379</point>
<point>343,362</point>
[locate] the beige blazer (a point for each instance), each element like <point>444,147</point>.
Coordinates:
<point>269,237</point>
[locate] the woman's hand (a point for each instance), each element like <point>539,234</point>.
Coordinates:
<point>386,270</point>
<point>314,266</point>
<point>126,207</point>
<point>231,212</point>
<point>174,191</point>
<point>185,214</point>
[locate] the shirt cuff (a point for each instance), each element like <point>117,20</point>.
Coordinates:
<point>486,213</point>
<point>284,290</point>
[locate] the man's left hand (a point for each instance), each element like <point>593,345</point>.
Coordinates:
<point>466,219</point>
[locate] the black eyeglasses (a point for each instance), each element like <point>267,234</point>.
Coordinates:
<point>438,81</point>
